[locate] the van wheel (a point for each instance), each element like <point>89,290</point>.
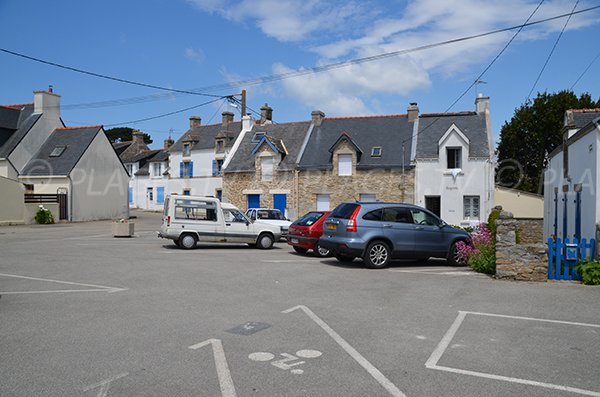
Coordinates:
<point>300,250</point>
<point>187,241</point>
<point>321,252</point>
<point>377,255</point>
<point>265,241</point>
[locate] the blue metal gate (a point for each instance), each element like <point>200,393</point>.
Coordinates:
<point>564,256</point>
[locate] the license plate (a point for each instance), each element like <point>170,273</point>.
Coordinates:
<point>294,241</point>
<point>331,226</point>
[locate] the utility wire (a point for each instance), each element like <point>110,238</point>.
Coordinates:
<point>551,52</point>
<point>585,71</point>
<point>103,76</point>
<point>295,73</point>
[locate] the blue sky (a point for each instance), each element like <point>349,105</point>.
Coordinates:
<point>193,44</point>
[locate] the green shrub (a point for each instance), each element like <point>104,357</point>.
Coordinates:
<point>590,272</point>
<point>44,216</point>
<point>491,223</point>
<point>484,260</point>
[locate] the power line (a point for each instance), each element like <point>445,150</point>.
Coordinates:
<point>103,76</point>
<point>551,52</point>
<point>585,71</point>
<point>317,69</point>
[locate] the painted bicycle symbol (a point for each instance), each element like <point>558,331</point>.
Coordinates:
<point>289,361</point>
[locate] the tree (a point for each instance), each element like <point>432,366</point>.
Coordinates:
<point>122,134</point>
<point>535,130</point>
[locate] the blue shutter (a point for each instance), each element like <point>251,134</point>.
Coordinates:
<point>181,169</point>
<point>130,195</point>
<point>254,201</point>
<point>160,195</point>
<point>214,168</point>
<point>280,202</point>
<point>191,169</point>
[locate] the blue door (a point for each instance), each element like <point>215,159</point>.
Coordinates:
<point>160,195</point>
<point>130,195</point>
<point>280,202</point>
<point>254,201</point>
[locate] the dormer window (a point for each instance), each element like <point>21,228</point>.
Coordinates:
<point>186,149</point>
<point>344,164</point>
<point>376,151</point>
<point>57,151</point>
<point>454,157</point>
<point>267,168</point>
<point>257,137</point>
<point>220,146</point>
<point>157,169</point>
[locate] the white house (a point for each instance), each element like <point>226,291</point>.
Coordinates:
<point>197,158</point>
<point>150,181</point>
<point>571,179</point>
<point>454,164</point>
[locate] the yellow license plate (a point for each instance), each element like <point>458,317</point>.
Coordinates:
<point>331,226</point>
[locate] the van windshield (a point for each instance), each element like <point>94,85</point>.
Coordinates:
<point>269,214</point>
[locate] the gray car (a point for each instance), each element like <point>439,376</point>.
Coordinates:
<point>378,232</point>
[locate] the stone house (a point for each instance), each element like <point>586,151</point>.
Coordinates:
<point>454,164</point>
<point>571,179</point>
<point>197,158</point>
<point>262,170</point>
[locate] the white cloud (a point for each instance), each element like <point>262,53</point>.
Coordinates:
<point>196,55</point>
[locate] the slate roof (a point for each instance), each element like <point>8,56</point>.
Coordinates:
<point>120,147</point>
<point>388,132</point>
<point>76,141</point>
<point>151,156</point>
<point>15,123</point>
<point>204,136</point>
<point>433,126</point>
<point>285,136</point>
<point>583,117</point>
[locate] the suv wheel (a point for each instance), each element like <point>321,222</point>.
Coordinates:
<point>187,241</point>
<point>377,255</point>
<point>265,241</point>
<point>454,259</point>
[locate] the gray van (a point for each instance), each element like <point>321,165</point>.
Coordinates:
<point>378,232</point>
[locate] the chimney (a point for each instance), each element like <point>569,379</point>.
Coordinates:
<point>247,123</point>
<point>195,121</point>
<point>168,143</point>
<point>47,102</point>
<point>227,118</point>
<point>482,103</point>
<point>266,114</point>
<point>137,137</point>
<point>317,117</point>
<point>412,112</point>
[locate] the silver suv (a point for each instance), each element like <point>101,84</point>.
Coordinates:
<point>379,232</point>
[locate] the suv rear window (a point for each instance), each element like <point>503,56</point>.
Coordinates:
<point>344,211</point>
<point>309,219</point>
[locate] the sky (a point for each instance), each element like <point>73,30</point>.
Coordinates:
<point>210,46</point>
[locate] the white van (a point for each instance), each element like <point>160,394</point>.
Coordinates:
<point>189,219</point>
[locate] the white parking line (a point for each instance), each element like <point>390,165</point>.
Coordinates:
<point>105,384</point>
<point>96,288</point>
<point>438,272</point>
<point>223,373</point>
<point>445,342</point>
<point>370,368</point>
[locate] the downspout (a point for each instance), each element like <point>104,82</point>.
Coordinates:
<point>70,198</point>
<point>296,190</point>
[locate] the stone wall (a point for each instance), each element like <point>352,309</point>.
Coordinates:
<point>531,230</point>
<point>524,261</point>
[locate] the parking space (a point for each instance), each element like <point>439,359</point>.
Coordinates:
<point>83,313</point>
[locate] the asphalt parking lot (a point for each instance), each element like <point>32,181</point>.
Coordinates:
<point>86,314</point>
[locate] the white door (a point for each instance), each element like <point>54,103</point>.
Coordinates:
<point>322,202</point>
<point>237,228</point>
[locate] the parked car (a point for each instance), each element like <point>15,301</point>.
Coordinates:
<point>378,232</point>
<point>189,219</point>
<point>269,216</point>
<point>304,233</point>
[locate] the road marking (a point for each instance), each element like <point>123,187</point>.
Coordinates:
<point>439,272</point>
<point>290,260</point>
<point>225,381</point>
<point>370,368</point>
<point>105,384</point>
<point>445,342</point>
<point>96,288</point>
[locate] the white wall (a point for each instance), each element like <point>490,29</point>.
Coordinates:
<point>12,204</point>
<point>521,204</point>
<point>476,178</point>
<point>99,184</point>
<point>202,183</point>
<point>7,170</point>
<point>141,185</point>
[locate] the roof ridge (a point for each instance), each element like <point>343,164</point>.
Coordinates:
<point>78,128</point>
<point>445,114</point>
<point>17,105</point>
<point>594,110</point>
<point>212,125</point>
<point>365,117</point>
<point>283,123</point>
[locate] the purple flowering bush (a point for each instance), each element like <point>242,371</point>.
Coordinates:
<point>481,253</point>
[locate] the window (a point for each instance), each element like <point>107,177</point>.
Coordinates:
<point>397,214</point>
<point>186,150</point>
<point>157,169</point>
<point>434,204</point>
<point>196,210</point>
<point>322,202</point>
<point>220,147</point>
<point>376,151</point>
<point>258,136</point>
<point>266,165</point>
<point>471,207</point>
<point>233,215</point>
<point>186,169</point>
<point>270,214</point>
<point>187,192</point>
<point>344,211</point>
<point>374,215</point>
<point>424,218</point>
<point>309,219</point>
<point>219,170</point>
<point>453,155</point>
<point>344,164</point>
<point>150,194</point>
<point>57,151</point>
